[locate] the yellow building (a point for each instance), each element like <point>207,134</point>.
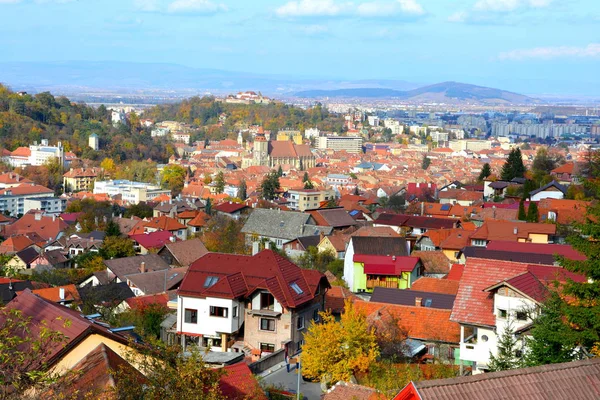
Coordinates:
<point>308,199</point>
<point>80,179</point>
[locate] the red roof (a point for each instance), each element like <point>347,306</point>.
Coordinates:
<point>238,383</point>
<point>230,207</point>
<point>564,250</point>
<point>456,272</point>
<point>435,285</point>
<point>239,275</point>
<point>473,305</point>
<point>152,240</point>
<point>164,223</point>
<point>386,265</point>
<point>47,227</point>
<point>143,301</point>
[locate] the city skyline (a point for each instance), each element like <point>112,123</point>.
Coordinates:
<point>529,46</point>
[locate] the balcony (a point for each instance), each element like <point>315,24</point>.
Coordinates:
<point>471,350</point>
<point>386,283</point>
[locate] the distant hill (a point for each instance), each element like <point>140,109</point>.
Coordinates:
<point>440,92</point>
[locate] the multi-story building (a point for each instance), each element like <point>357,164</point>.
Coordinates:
<point>36,155</point>
<point>272,154</point>
<point>312,133</point>
<point>13,199</point>
<point>262,302</point>
<point>77,179</point>
<point>308,199</point>
<point>131,192</point>
<point>350,144</point>
<point>288,134</point>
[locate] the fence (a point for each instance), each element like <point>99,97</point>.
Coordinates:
<point>267,362</point>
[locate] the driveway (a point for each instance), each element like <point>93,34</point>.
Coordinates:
<point>288,381</point>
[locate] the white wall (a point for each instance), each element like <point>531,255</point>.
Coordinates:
<point>207,325</point>
<point>255,300</point>
<point>547,195</point>
<point>349,265</point>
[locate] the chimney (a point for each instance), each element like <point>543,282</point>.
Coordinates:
<point>393,258</point>
<point>38,216</point>
<point>268,245</point>
<point>172,239</point>
<point>61,293</point>
<point>53,217</point>
<point>515,231</point>
<point>142,267</point>
<point>418,301</point>
<point>255,248</point>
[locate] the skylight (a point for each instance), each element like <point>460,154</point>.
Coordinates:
<point>296,288</point>
<point>211,280</point>
<point>427,303</point>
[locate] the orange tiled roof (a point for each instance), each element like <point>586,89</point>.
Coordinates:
<point>435,285</point>
<point>53,293</point>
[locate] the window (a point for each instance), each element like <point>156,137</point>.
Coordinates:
<point>211,280</point>
<point>521,315</point>
<point>300,323</point>
<point>267,347</point>
<point>316,316</point>
<point>191,316</point>
<point>235,312</point>
<point>267,324</point>
<point>484,338</point>
<point>502,313</point>
<point>218,312</point>
<point>450,353</point>
<point>267,301</point>
<point>431,349</point>
<point>296,288</point>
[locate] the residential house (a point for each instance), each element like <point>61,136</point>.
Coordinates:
<point>47,227</point>
<point>146,283</point>
<point>563,211</point>
<point>63,295</point>
<point>167,224</point>
<point>263,301</point>
<point>27,260</point>
<point>552,190</point>
<point>19,200</point>
<point>82,334</point>
<point>513,232</point>
<point>14,244</point>
<point>569,173</point>
<point>493,296</point>
<point>308,199</point>
<point>414,226</point>
<point>337,218</point>
<point>335,244</point>
<point>119,268</point>
<point>78,179</point>
<point>578,379</point>
<point>198,223</point>
<point>183,253</point>
<point>502,255</point>
<point>459,196</point>
<point>435,263</point>
<point>11,179</point>
<point>280,227</point>
<point>391,252</point>
<point>172,208</point>
<point>151,242</point>
<point>231,209</point>
<point>299,246</point>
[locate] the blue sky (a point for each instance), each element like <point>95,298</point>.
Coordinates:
<point>522,45</point>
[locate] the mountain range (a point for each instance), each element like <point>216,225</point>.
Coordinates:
<point>441,92</point>
<point>160,79</point>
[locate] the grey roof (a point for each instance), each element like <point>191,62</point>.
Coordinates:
<point>219,357</point>
<point>307,241</point>
<point>111,293</point>
<point>382,246</point>
<point>55,257</point>
<point>122,267</point>
<point>408,298</point>
<point>277,224</point>
<point>335,217</point>
<point>169,321</point>
<point>565,381</point>
<point>153,282</point>
<point>549,185</point>
<point>530,258</point>
<point>28,255</point>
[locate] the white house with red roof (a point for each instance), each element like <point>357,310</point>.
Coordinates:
<point>493,296</point>
<point>257,304</point>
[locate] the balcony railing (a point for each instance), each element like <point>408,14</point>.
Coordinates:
<point>373,283</point>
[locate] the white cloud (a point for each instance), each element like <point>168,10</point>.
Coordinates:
<point>509,5</point>
<point>335,8</point>
<point>591,50</point>
<point>459,16</point>
<point>195,6</point>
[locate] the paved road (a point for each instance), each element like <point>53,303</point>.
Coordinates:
<point>289,381</point>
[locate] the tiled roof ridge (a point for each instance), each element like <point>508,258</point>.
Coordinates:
<point>507,373</point>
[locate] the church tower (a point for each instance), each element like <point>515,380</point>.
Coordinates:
<point>240,139</point>
<point>261,150</point>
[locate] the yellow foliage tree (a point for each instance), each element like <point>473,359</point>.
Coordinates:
<point>108,165</point>
<point>337,350</point>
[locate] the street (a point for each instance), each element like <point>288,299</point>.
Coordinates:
<point>289,381</point>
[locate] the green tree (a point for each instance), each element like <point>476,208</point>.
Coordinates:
<point>220,182</point>
<point>513,167</point>
<point>426,162</point>
<point>305,177</point>
<point>544,162</point>
<point>486,171</point>
<point>508,351</point>
<point>522,216</point>
<point>208,206</point>
<point>270,185</point>
<point>552,340</point>
<point>116,247</point>
<point>309,185</point>
<point>24,353</point>
<point>140,210</point>
<point>242,190</point>
<point>280,172</point>
<point>336,350</point>
<point>112,229</point>
<point>532,212</point>
<point>396,202</point>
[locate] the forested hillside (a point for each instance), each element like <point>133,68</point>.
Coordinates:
<point>204,112</point>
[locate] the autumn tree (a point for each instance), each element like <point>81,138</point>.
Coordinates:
<point>116,247</point>
<point>224,235</point>
<point>543,163</point>
<point>173,178</point>
<point>336,350</point>
<point>513,167</point>
<point>486,171</point>
<point>305,177</point>
<point>309,185</point>
<point>140,210</point>
<point>112,229</point>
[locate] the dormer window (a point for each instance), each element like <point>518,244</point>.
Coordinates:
<point>267,301</point>
<point>296,288</point>
<point>210,281</point>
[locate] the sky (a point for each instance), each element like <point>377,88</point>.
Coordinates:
<point>524,45</point>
